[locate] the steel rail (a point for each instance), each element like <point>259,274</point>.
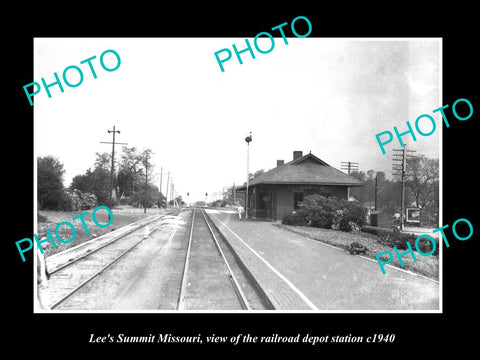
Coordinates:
<point>181,295</point>
<point>78,287</point>
<point>235,283</point>
<point>236,286</point>
<point>115,239</point>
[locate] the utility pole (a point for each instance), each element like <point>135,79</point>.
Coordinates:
<point>160,201</point>
<point>248,139</point>
<point>234,193</point>
<point>378,190</point>
<point>349,166</point>
<point>400,170</point>
<point>146,183</point>
<point>166,192</point>
<point>113,161</point>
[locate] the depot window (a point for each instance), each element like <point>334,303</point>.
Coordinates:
<point>297,198</point>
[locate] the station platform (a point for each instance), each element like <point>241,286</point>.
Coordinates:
<point>300,274</point>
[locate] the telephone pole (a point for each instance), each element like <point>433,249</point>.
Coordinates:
<point>166,191</point>
<point>165,194</point>
<point>400,169</point>
<point>161,175</point>
<point>349,166</point>
<point>248,139</point>
<point>113,161</point>
<point>146,183</point>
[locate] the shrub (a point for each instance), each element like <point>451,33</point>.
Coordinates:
<point>396,239</point>
<point>41,218</point>
<point>79,200</point>
<point>356,248</point>
<point>350,216</point>
<point>375,230</point>
<point>294,219</point>
<point>425,246</point>
<point>318,210</point>
<point>392,238</point>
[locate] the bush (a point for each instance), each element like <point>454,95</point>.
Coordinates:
<point>323,212</point>
<point>356,248</point>
<point>397,239</point>
<point>294,219</point>
<point>79,200</point>
<point>375,230</point>
<point>392,238</point>
<point>41,218</point>
<point>318,210</point>
<point>425,246</point>
<point>350,216</point>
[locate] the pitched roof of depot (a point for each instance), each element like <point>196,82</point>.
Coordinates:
<point>306,170</point>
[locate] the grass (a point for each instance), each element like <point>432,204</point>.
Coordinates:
<point>425,265</point>
<point>122,215</point>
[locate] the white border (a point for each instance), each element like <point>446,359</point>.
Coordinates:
<point>440,310</point>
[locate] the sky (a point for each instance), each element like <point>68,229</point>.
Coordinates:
<point>330,96</point>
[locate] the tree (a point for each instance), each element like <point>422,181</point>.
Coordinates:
<point>179,200</point>
<point>388,192</point>
<point>152,198</point>
<point>256,174</point>
<point>96,181</point>
<point>388,196</point>
<point>371,174</point>
<point>365,192</point>
<point>103,161</point>
<point>381,177</point>
<point>50,190</point>
<point>131,170</point>
<point>421,177</point>
<point>148,166</point>
<point>228,198</point>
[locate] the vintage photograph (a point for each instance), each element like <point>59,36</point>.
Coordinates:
<point>299,179</point>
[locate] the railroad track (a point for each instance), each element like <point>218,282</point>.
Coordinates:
<point>79,266</point>
<point>213,278</point>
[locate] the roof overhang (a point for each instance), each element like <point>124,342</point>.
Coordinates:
<point>244,187</point>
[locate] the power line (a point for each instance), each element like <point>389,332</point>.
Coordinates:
<point>401,160</point>
<point>349,166</point>
<point>113,160</point>
<point>146,182</point>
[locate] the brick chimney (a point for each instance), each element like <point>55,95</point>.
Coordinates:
<point>297,154</point>
<point>280,163</point>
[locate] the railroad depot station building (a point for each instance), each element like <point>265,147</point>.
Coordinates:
<point>277,192</point>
